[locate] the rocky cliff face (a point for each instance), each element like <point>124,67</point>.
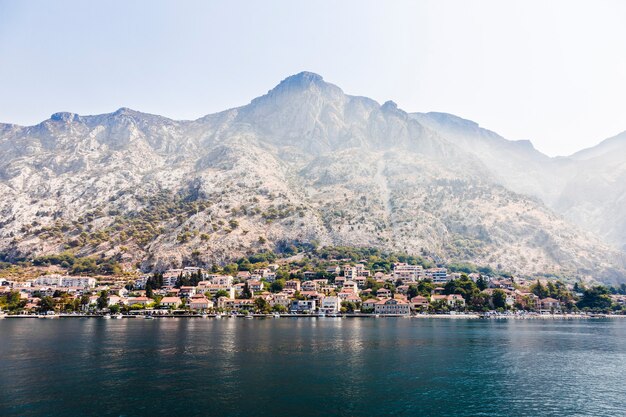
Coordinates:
<point>305,162</point>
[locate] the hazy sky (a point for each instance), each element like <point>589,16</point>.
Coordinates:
<point>552,71</point>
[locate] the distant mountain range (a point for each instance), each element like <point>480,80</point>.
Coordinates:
<point>308,163</point>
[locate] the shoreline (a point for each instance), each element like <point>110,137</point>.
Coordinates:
<point>471,316</point>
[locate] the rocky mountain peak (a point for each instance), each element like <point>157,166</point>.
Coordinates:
<point>66,117</point>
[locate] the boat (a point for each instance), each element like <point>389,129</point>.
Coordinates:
<point>204,316</point>
<point>106,317</point>
<point>2,315</point>
<point>148,317</point>
<point>118,316</point>
<point>249,316</point>
<point>218,316</point>
<point>276,315</point>
<point>321,315</point>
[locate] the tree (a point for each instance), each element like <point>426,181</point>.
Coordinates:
<point>412,291</point>
<point>103,300</point>
<point>221,293</point>
<point>279,308</point>
<point>261,305</point>
<point>277,285</point>
<point>84,301</point>
<point>149,291</point>
<point>481,283</point>
<point>539,290</point>
<point>425,287</point>
<point>46,304</point>
<point>349,306</point>
<point>246,293</point>
<point>595,298</point>
<point>115,308</point>
<point>498,298</point>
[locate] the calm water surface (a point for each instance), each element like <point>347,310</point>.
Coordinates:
<point>322,367</point>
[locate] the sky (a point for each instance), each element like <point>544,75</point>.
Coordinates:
<point>553,72</point>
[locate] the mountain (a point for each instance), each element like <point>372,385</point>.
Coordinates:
<point>303,163</point>
<point>595,193</point>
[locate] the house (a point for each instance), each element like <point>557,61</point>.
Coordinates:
<point>455,300</point>
<point>280,299</point>
<point>402,289</point>
<point>369,305</point>
<point>293,284</point>
<point>361,271</point>
<point>144,301</point>
<point>235,304</point>
<point>303,306</point>
<point>350,286</point>
<point>335,270</point>
<point>172,302</point>
<point>383,292</point>
<point>309,275</point>
<point>526,299</point>
<point>117,300</point>
<point>200,302</point>
<point>549,304</point>
<point>255,286</point>
<point>330,305</point>
<point>309,286</point>
<point>438,297</point>
<point>223,280</point>
<point>349,272</point>
<point>392,306</point>
<point>243,275</point>
<point>187,291</point>
<point>353,298</point>
<point>360,281</point>
<point>344,294</point>
<point>419,303</point>
<point>339,281</point>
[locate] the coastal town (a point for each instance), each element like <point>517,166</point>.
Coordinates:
<point>277,289</point>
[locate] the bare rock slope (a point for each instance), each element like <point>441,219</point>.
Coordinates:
<point>305,162</point>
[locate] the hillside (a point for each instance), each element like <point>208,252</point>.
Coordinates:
<point>305,162</point>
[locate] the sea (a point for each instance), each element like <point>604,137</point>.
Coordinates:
<point>312,367</point>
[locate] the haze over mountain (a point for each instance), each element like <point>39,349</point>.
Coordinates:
<point>308,163</point>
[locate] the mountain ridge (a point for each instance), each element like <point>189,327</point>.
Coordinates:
<point>304,162</point>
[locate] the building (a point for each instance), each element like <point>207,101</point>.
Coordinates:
<point>335,270</point>
<point>419,303</point>
<point>292,284</point>
<point>406,272</point>
<point>144,301</point>
<point>172,302</point>
<point>437,275</point>
<point>235,304</point>
<point>281,299</point>
<point>65,281</point>
<point>549,305</point>
<point>200,302</point>
<point>187,291</point>
<point>223,280</point>
<point>455,300</point>
<point>309,286</point>
<point>330,305</point>
<point>383,292</point>
<point>369,305</point>
<point>303,306</point>
<point>349,272</point>
<point>392,306</point>
<point>255,286</point>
